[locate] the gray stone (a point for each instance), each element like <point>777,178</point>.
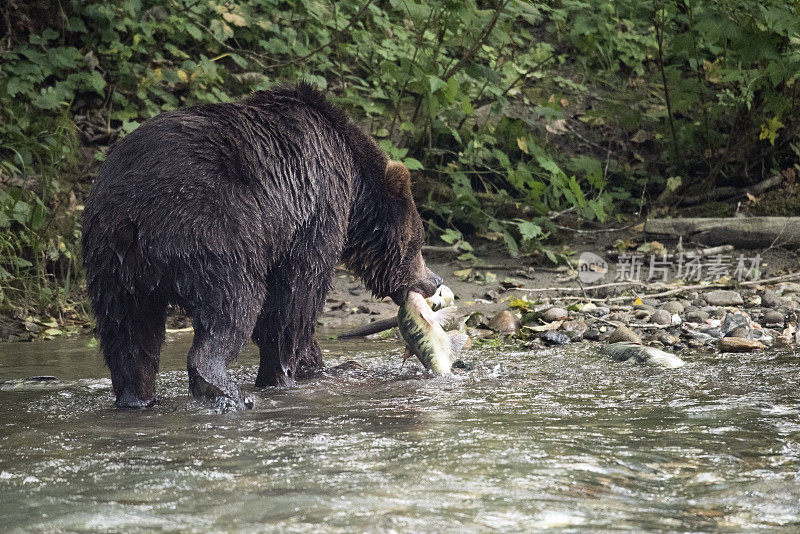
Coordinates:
<point>698,316</point>
<point>734,322</point>
<point>672,307</point>
<point>668,339</point>
<point>574,329</point>
<point>642,315</point>
<point>620,316</point>
<point>600,311</point>
<point>769,299</point>
<point>724,297</point>
<point>742,332</point>
<point>623,333</point>
<point>651,302</point>
<point>662,317</point>
<point>592,334</point>
<point>699,303</point>
<point>773,318</point>
<point>555,338</point>
<point>644,307</point>
<point>555,314</point>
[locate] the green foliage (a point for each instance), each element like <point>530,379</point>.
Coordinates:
<point>518,110</point>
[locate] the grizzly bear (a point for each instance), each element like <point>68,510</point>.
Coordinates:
<point>238,213</point>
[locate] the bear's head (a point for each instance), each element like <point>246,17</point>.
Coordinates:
<point>385,238</point>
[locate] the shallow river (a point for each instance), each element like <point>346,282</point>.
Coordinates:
<point>551,439</point>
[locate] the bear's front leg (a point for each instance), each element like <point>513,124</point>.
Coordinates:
<point>284,332</point>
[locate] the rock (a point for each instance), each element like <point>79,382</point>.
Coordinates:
<point>599,311</point>
<point>698,316</point>
<point>668,339</point>
<point>742,332</point>
<point>788,287</point>
<point>461,364</point>
<point>505,321</point>
<point>723,297</point>
<point>554,338</point>
<point>642,315</point>
<point>592,334</point>
<point>480,333</point>
<point>734,322</point>
<point>645,307</point>
<point>662,317</point>
<point>769,299</point>
<point>672,307</point>
<point>574,329</point>
<point>716,313</point>
<point>654,303</point>
<point>773,318</point>
<point>624,334</point>
<point>642,354</point>
<point>491,295</point>
<point>621,317</point>
<point>752,301</point>
<point>737,344</point>
<point>476,319</point>
<point>699,303</point>
<point>554,314</point>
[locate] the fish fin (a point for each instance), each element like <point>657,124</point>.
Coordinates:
<point>408,354</point>
<point>457,342</point>
<point>445,315</point>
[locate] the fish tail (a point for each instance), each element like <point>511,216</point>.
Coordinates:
<point>457,342</point>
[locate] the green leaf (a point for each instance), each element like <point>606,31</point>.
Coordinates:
<point>436,83</point>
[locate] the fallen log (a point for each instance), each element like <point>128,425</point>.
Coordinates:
<point>370,328</point>
<point>741,232</point>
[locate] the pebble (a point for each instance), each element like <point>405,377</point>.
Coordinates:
<point>480,333</point>
<point>654,303</point>
<point>724,297</point>
<point>698,316</point>
<point>644,307</point>
<point>773,318</point>
<point>554,314</point>
<point>699,303</point>
<point>553,338</point>
<point>734,322</point>
<point>769,299</point>
<point>642,315</point>
<point>574,329</point>
<point>672,307</point>
<point>505,321</point>
<point>753,301</point>
<point>668,339</point>
<point>599,311</point>
<point>623,333</point>
<point>662,317</point>
<point>622,317</point>
<point>737,344</point>
<point>592,334</point>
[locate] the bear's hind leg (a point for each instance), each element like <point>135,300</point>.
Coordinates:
<point>131,344</point>
<point>208,367</point>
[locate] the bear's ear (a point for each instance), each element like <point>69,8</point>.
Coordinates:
<point>398,179</point>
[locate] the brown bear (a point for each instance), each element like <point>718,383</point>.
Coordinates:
<point>238,213</point>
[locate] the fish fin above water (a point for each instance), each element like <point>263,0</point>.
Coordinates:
<point>445,315</point>
<point>457,342</point>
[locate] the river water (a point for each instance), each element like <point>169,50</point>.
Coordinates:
<point>560,439</point>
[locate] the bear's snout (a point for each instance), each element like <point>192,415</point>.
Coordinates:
<point>428,285</point>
